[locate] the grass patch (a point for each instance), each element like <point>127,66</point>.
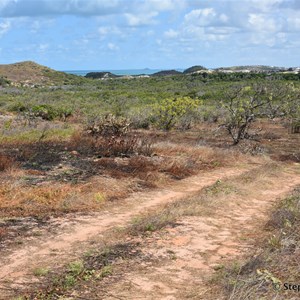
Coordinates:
<point>40,271</point>
<point>80,274</point>
<point>75,268</point>
<point>154,221</point>
<point>33,135</point>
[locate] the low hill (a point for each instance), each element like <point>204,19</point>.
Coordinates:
<point>166,73</point>
<point>194,69</point>
<point>30,73</point>
<point>100,75</point>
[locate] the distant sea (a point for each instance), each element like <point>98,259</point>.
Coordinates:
<point>118,72</point>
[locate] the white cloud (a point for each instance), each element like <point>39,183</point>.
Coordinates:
<point>109,30</point>
<point>171,33</point>
<point>149,33</point>
<point>83,42</point>
<point>89,7</point>
<point>266,5</point>
<point>205,25</point>
<point>142,6</point>
<point>4,27</point>
<point>224,18</point>
<point>196,34</point>
<point>21,8</point>
<point>160,5</point>
<point>104,30</point>
<point>17,8</point>
<point>3,3</point>
<point>260,22</point>
<point>159,42</point>
<point>201,17</point>
<point>43,47</point>
<point>112,47</point>
<point>141,19</point>
<point>293,22</point>
<point>240,24</point>
<point>221,30</point>
<point>206,17</point>
<point>36,24</point>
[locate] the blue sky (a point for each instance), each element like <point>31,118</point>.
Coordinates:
<point>164,34</point>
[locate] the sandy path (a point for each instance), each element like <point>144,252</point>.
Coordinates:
<point>73,237</point>
<point>186,255</point>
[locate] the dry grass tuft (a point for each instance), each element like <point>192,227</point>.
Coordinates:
<point>6,162</point>
<point>110,146</point>
<point>206,156</point>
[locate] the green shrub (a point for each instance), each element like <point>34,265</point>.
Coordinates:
<point>4,81</point>
<point>141,117</point>
<point>44,111</point>
<point>168,112</point>
<point>18,107</point>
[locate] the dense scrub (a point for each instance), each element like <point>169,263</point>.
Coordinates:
<point>144,100</point>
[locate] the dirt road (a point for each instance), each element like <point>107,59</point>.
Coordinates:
<point>199,243</point>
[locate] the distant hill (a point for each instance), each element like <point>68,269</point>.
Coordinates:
<point>256,69</point>
<point>166,73</point>
<point>194,69</point>
<point>100,75</point>
<point>30,73</point>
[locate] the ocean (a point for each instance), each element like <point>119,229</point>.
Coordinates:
<point>118,72</point>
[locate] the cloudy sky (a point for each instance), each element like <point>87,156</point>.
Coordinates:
<point>129,34</point>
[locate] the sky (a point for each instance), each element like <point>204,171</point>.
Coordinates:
<point>157,34</point>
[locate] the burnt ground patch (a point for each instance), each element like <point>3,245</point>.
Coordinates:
<point>13,229</point>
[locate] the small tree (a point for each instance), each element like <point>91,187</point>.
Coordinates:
<point>284,102</point>
<point>292,109</point>
<point>169,111</point>
<point>243,105</point>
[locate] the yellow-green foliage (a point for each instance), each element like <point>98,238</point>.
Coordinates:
<point>168,112</point>
<point>33,135</point>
